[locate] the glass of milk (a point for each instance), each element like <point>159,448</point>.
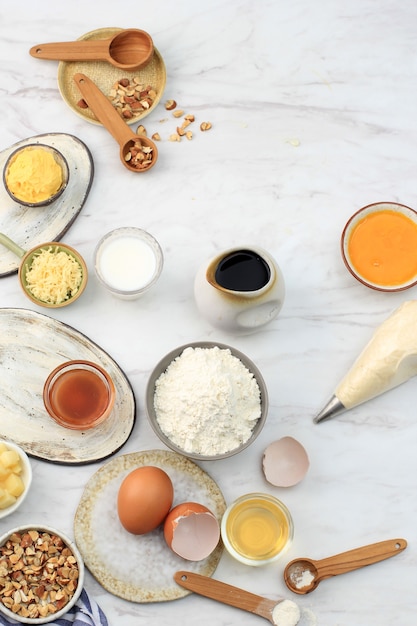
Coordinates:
<point>128,261</point>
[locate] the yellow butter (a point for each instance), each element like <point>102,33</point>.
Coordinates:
<point>34,175</point>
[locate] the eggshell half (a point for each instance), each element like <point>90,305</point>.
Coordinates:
<point>285,462</point>
<point>191,531</point>
<point>144,499</point>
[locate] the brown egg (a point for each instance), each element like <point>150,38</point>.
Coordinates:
<point>192,531</point>
<point>285,462</point>
<point>144,499</point>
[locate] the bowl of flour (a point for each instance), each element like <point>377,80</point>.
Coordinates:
<point>206,400</point>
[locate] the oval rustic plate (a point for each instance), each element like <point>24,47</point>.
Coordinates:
<point>29,226</point>
<point>133,567</point>
<point>33,344</point>
<point>105,75</point>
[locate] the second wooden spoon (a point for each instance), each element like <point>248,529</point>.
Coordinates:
<point>109,117</point>
<point>303,575</point>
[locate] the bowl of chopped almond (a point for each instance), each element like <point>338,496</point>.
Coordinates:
<point>50,577</point>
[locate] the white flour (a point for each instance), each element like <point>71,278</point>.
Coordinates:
<point>286,613</point>
<point>207,402</point>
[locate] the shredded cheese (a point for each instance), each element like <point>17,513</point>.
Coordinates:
<point>53,276</point>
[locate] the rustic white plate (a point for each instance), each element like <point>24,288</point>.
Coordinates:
<point>105,75</point>
<point>28,226</point>
<point>140,568</point>
<point>33,344</point>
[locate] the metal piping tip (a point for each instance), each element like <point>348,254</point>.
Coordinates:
<point>333,407</point>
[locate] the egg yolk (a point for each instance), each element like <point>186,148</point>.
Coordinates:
<point>383,248</point>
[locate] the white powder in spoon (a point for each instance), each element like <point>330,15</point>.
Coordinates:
<point>286,613</point>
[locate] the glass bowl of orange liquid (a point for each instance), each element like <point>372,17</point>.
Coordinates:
<point>79,394</point>
<point>379,246</point>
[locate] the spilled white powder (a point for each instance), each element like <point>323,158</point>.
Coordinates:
<point>286,613</point>
<point>207,401</point>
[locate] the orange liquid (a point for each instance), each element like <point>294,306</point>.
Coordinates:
<point>383,248</point>
<point>79,397</point>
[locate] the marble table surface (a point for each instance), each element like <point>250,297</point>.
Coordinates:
<point>313,112</point>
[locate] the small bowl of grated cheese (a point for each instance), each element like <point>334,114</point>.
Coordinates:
<point>206,401</point>
<point>53,275</point>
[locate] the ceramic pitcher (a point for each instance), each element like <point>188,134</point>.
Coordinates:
<point>240,290</point>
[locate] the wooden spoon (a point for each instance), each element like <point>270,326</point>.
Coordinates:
<point>128,50</point>
<point>228,594</point>
<point>108,116</point>
<point>303,575</point>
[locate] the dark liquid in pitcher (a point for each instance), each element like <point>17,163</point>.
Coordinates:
<point>242,270</point>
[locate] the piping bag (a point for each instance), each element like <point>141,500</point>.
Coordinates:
<point>388,360</point>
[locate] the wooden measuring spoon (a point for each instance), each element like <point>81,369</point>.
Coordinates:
<point>128,50</point>
<point>228,594</point>
<point>303,575</point>
<point>108,116</point>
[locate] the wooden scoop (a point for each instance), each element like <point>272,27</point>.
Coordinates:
<point>108,116</point>
<point>228,594</point>
<point>128,50</point>
<point>303,575</point>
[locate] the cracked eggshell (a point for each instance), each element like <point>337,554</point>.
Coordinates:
<point>285,462</point>
<point>192,531</point>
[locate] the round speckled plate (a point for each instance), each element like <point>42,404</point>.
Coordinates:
<point>105,75</point>
<point>140,568</point>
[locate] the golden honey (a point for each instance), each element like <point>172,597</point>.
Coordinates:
<point>257,528</point>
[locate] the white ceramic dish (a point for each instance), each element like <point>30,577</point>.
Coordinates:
<point>25,368</point>
<point>33,226</point>
<point>26,477</point>
<point>140,568</point>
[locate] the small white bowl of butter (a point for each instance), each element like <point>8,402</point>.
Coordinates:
<point>128,261</point>
<point>15,477</point>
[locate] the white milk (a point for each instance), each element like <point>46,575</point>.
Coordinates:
<point>127,263</point>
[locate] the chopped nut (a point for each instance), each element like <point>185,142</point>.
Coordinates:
<point>131,98</point>
<point>139,156</point>
<point>180,131</point>
<point>37,591</point>
<point>205,126</point>
<point>141,130</point>
<point>156,137</point>
<point>189,118</point>
<point>170,105</point>
<point>189,134</point>
<point>82,104</point>
<point>175,137</point>
<point>178,113</point>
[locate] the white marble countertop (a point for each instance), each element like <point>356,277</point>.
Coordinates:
<point>313,107</point>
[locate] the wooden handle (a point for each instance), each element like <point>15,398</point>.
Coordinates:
<point>359,557</point>
<point>225,593</point>
<point>104,110</point>
<point>73,50</point>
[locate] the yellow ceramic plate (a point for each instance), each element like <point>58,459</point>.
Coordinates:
<point>140,568</point>
<point>105,75</point>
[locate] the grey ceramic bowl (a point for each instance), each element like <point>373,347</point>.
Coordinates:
<point>52,617</point>
<point>162,366</point>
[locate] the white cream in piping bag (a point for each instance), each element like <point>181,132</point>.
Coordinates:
<point>388,360</point>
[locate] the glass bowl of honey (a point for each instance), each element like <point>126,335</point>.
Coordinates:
<point>257,529</point>
<point>79,394</point>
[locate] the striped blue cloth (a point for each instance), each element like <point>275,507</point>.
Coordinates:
<point>85,612</point>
